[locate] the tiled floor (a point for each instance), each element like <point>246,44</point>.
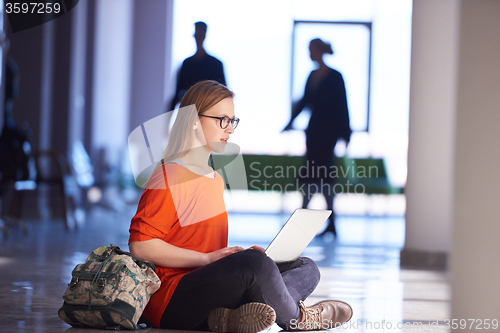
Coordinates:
<point>361,267</point>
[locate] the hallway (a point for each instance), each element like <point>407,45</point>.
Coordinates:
<point>361,267</point>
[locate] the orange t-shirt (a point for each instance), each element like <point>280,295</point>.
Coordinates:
<point>183,209</point>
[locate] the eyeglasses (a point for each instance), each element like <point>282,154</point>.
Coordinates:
<point>224,121</point>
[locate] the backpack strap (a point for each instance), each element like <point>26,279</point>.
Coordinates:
<point>97,278</point>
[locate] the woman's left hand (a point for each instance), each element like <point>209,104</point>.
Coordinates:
<point>256,247</point>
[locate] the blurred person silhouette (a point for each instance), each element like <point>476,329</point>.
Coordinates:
<point>16,159</point>
<point>199,67</point>
<point>15,149</point>
<point>325,96</point>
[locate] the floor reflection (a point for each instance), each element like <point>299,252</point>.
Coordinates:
<point>360,267</point>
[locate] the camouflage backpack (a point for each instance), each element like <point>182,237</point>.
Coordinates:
<point>110,290</point>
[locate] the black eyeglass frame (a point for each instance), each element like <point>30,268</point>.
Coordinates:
<point>231,120</point>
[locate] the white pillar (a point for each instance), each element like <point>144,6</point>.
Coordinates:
<point>152,46</point>
<point>429,189</point>
<point>78,68</point>
<point>112,77</point>
<point>453,177</point>
<point>475,261</point>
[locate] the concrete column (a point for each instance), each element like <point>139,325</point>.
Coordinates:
<point>111,79</point>
<point>429,189</point>
<point>3,54</point>
<point>151,19</point>
<point>453,176</point>
<point>78,70</point>
<point>475,265</point>
<point>61,82</point>
<point>51,66</point>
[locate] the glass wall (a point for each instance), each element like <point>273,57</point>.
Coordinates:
<point>263,46</point>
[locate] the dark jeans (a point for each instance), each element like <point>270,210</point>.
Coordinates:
<point>243,277</point>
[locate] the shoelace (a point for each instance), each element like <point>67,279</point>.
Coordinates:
<point>312,316</point>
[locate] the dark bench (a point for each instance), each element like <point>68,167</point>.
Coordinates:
<point>280,173</point>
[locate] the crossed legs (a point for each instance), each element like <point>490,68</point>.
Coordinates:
<point>243,277</point>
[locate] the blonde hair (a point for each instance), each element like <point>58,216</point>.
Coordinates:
<point>197,100</point>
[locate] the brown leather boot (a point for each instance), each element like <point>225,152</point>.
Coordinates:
<point>248,318</point>
<point>323,315</point>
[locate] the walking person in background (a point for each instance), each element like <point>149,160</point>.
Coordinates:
<point>325,96</point>
<point>201,66</point>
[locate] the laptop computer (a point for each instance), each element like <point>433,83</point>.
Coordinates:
<point>296,234</point>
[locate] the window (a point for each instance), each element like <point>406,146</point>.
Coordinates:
<point>350,43</point>
<point>254,40</point>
